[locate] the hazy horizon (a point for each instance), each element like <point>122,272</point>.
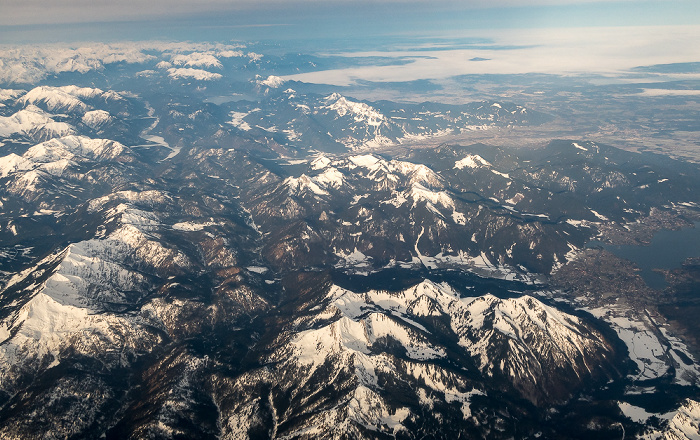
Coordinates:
<point>70,21</point>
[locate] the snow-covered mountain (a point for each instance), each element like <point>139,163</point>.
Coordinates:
<point>373,363</point>
<point>33,64</point>
<point>69,99</point>
<point>333,122</point>
<point>174,265</point>
<point>33,123</point>
<point>685,424</point>
<point>61,167</point>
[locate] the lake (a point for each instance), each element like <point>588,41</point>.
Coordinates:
<point>667,250</point>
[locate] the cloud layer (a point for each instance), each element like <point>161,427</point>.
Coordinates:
<point>571,51</point>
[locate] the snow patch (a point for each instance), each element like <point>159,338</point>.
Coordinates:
<point>320,163</point>
<point>599,216</point>
<point>197,74</point>
<point>298,185</point>
<point>196,59</point>
<point>191,226</point>
<point>272,82</point>
<point>472,161</point>
<point>238,122</point>
<point>95,119</point>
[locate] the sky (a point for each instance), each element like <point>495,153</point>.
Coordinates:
<point>46,20</point>
<point>27,12</point>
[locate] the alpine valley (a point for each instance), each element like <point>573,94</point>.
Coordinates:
<point>195,245</point>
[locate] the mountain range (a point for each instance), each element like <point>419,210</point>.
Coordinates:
<point>310,265</point>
